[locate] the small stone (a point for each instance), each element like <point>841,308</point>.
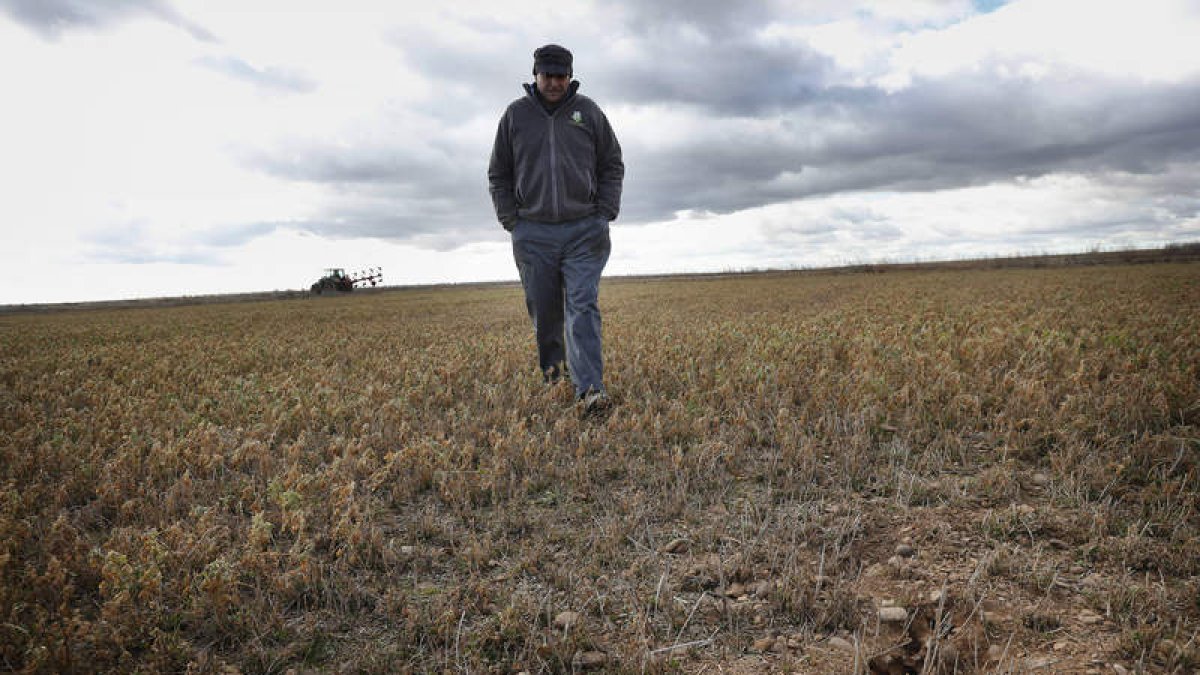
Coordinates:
<point>995,652</point>
<point>896,561</point>
<point>566,620</point>
<point>1120,669</point>
<point>408,549</point>
<point>735,590</point>
<point>763,645</point>
<point>592,660</point>
<point>1040,479</point>
<point>893,615</point>
<point>676,546</point>
<point>1060,645</point>
<point>935,596</point>
<point>905,550</point>
<point>1025,510</point>
<point>1090,618</point>
<point>841,643</point>
<point>1039,662</point>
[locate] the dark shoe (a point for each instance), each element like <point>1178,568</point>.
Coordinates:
<point>595,404</point>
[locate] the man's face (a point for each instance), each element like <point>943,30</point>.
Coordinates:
<point>552,87</point>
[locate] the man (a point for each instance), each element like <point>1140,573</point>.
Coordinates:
<point>555,177</point>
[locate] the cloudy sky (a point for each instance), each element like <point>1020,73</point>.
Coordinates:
<point>183,147</point>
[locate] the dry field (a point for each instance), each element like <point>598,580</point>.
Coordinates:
<point>938,471</point>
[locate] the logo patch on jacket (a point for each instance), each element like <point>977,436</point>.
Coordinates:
<point>577,118</point>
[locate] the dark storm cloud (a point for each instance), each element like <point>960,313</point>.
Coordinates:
<point>766,122</point>
<point>704,54</point>
<point>51,18</point>
<point>363,162</point>
<point>773,124</point>
<point>280,79</point>
<point>934,135</point>
<point>389,194</point>
<point>407,188</point>
<point>709,54</point>
<point>724,78</point>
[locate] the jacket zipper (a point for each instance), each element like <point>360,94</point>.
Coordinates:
<point>554,198</point>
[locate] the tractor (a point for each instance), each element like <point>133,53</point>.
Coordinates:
<point>336,279</point>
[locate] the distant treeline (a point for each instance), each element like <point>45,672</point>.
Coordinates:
<point>1172,253</point>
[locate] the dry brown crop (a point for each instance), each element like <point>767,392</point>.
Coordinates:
<point>966,470</point>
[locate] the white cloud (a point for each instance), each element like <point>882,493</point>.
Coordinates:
<point>891,43</point>
<point>1030,38</point>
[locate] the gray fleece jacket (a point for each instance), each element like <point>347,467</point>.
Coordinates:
<point>555,166</point>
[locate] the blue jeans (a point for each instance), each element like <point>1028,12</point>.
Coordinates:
<point>560,266</point>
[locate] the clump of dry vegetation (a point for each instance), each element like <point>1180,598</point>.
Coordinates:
<point>983,470</point>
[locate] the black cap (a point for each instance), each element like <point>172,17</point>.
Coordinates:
<point>552,60</point>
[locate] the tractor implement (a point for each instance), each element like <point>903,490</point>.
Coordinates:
<point>336,279</point>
